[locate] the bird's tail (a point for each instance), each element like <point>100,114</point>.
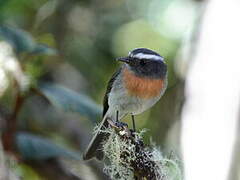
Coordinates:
<point>94,148</point>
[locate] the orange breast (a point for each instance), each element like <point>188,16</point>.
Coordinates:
<point>142,87</point>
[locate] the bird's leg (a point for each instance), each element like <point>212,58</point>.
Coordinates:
<point>117,116</point>
<point>118,123</point>
<point>133,122</point>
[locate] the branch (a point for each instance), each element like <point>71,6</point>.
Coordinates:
<point>129,158</point>
<point>11,125</point>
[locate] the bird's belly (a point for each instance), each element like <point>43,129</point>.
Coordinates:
<point>137,105</point>
<point>122,100</point>
<point>125,103</point>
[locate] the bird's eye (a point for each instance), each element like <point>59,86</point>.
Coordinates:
<point>142,62</point>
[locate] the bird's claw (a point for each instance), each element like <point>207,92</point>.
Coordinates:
<point>120,127</point>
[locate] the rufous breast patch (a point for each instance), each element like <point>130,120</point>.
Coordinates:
<point>140,86</point>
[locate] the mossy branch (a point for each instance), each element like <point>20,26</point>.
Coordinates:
<point>127,157</point>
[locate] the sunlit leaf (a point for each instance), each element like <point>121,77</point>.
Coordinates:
<point>71,101</point>
<point>26,172</point>
<point>38,148</point>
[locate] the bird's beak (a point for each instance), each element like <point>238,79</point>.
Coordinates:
<point>124,59</point>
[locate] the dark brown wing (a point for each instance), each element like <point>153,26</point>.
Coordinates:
<point>109,87</point>
<point>95,146</point>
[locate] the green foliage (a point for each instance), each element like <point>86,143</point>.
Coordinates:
<point>19,39</point>
<point>70,101</point>
<point>22,41</point>
<point>34,147</point>
<point>26,172</point>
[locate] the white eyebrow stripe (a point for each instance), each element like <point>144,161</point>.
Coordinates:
<point>148,56</point>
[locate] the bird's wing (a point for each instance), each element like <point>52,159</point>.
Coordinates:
<point>95,146</point>
<point>109,87</point>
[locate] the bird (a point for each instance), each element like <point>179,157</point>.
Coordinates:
<point>135,87</point>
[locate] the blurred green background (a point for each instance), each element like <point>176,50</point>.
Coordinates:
<point>56,57</point>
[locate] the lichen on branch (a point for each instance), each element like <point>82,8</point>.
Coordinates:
<point>128,158</point>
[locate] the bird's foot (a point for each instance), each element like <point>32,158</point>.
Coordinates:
<point>120,127</point>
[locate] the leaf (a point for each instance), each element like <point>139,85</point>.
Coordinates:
<point>19,39</point>
<point>25,171</point>
<point>43,49</point>
<point>34,147</point>
<point>71,101</point>
<point>22,41</point>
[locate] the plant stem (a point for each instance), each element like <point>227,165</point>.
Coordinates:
<point>9,135</point>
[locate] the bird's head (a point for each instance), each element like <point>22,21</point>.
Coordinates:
<point>145,63</point>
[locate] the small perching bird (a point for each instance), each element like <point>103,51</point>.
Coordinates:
<point>135,87</point>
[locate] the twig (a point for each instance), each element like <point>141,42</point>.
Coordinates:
<point>129,157</point>
<point>11,124</point>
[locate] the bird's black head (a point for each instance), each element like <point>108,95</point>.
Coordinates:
<point>146,63</point>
